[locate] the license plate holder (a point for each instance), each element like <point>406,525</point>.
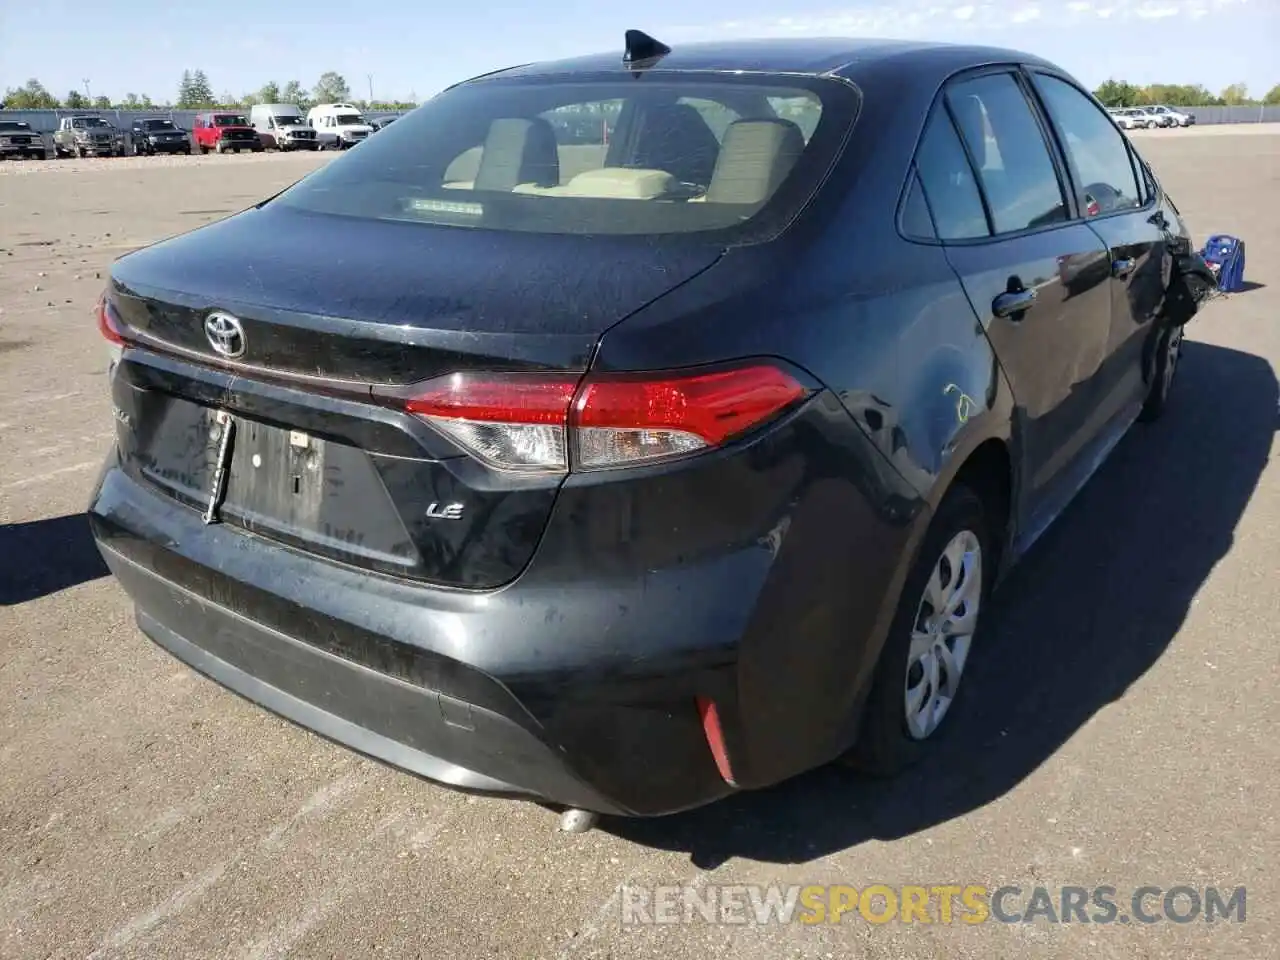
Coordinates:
<point>222,432</point>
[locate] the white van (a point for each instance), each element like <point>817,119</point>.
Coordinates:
<point>338,125</point>
<point>280,126</point>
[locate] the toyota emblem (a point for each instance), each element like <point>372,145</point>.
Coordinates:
<point>225,333</point>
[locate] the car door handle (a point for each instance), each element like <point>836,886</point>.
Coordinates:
<point>1122,268</point>
<point>1013,303</point>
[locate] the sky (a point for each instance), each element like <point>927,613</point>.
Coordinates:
<point>402,49</point>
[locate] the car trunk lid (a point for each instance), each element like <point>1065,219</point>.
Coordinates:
<point>330,309</point>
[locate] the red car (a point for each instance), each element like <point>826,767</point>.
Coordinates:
<point>222,131</point>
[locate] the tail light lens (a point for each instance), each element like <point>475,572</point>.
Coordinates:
<point>538,423</point>
<point>619,421</point>
<point>108,325</point>
<point>510,421</point>
<point>112,330</point>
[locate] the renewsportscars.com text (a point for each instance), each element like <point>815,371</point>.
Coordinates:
<point>938,903</point>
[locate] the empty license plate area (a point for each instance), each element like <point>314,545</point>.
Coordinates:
<point>313,492</point>
<point>173,443</point>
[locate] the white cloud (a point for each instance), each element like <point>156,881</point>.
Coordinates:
<point>1157,11</point>
<point>1026,15</point>
<point>963,13</point>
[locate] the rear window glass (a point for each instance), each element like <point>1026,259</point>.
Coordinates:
<point>665,154</point>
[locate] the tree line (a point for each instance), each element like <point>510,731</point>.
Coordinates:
<point>1118,93</point>
<point>195,92</point>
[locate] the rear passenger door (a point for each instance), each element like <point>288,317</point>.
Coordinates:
<point>1036,277</point>
<point>1118,201</point>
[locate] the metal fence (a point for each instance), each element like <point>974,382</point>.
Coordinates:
<point>1235,114</point>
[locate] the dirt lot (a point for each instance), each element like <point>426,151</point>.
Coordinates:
<point>1121,728</point>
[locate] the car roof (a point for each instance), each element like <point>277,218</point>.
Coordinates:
<point>817,56</point>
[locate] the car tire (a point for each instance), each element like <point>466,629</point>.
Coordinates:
<point>1168,353</point>
<point>895,734</point>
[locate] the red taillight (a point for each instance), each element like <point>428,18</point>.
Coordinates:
<point>621,420</point>
<point>108,325</point>
<point>532,422</point>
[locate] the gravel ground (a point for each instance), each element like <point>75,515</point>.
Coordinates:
<point>1118,729</point>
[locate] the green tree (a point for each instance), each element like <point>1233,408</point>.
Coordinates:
<point>1273,96</point>
<point>146,103</point>
<point>331,88</point>
<point>30,96</point>
<point>76,100</point>
<point>293,93</point>
<point>102,103</point>
<point>201,89</point>
<point>1115,93</point>
<point>229,99</point>
<point>130,102</point>
<point>270,93</point>
<point>1236,95</point>
<point>185,100</point>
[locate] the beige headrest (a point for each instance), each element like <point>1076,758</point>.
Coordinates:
<point>755,156</point>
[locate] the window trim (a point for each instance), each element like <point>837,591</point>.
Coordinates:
<point>1135,162</point>
<point>1048,134</point>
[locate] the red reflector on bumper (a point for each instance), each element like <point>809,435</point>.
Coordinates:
<point>715,737</point>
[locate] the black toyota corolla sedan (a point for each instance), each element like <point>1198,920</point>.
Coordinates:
<point>626,431</point>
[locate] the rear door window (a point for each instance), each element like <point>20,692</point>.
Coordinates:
<point>1098,155</point>
<point>1009,150</point>
<point>948,181</point>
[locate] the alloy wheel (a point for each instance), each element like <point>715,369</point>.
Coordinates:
<point>945,621</point>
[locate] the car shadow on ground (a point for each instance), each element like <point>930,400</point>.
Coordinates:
<point>44,556</point>
<point>1089,610</point>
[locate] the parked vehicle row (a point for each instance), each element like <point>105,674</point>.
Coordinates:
<point>1149,118</point>
<point>268,126</point>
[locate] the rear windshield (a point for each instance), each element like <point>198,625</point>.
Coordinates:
<point>667,153</point>
<point>229,120</point>
<point>158,125</point>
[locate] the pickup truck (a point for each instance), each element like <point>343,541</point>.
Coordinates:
<point>17,139</point>
<point>88,136</point>
<point>223,130</point>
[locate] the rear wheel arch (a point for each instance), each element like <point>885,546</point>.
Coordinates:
<point>988,472</point>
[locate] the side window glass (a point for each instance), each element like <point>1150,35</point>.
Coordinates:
<point>948,183</point>
<point>1009,150</point>
<point>916,221</point>
<point>1097,153</point>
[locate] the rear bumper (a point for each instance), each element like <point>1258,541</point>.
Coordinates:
<point>577,682</point>
<point>443,684</point>
<point>412,727</point>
